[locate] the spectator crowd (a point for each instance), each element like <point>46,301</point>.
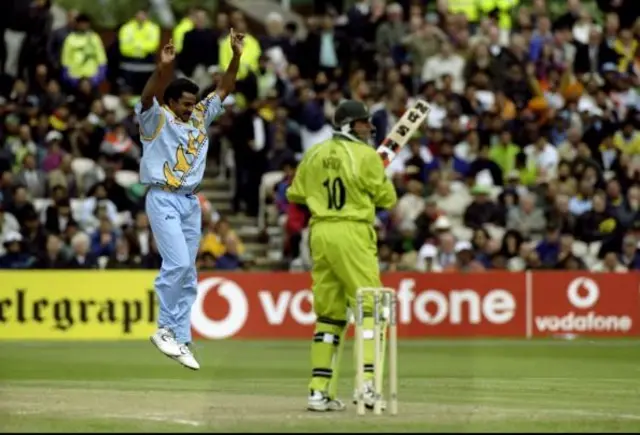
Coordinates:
<point>529,158</point>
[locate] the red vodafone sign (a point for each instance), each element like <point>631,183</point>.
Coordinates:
<point>279,305</point>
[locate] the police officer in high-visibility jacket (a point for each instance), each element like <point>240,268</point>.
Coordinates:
<point>185,25</point>
<point>138,40</point>
<point>468,7</point>
<point>250,56</point>
<point>501,9</point>
<point>83,55</point>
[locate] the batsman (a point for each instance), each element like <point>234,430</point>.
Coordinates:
<point>342,181</point>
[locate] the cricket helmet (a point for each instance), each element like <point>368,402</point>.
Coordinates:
<point>349,111</point>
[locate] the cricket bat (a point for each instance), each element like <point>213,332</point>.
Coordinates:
<point>402,131</point>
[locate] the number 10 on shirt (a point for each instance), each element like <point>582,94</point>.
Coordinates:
<point>336,193</point>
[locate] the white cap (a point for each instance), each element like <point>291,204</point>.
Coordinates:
<point>53,135</point>
<point>428,251</point>
<point>12,236</point>
<point>442,223</point>
<point>463,245</point>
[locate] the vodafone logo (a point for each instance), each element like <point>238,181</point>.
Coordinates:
<point>238,309</point>
<point>583,293</point>
<point>454,306</point>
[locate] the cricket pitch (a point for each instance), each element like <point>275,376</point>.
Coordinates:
<point>261,386</point>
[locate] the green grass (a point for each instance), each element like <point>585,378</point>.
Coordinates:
<point>482,385</point>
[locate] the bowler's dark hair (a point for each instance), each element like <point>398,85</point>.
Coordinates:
<point>178,87</point>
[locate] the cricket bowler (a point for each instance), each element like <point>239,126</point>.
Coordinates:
<point>342,181</point>
<point>175,142</point>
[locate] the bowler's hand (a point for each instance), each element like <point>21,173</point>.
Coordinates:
<point>168,53</point>
<point>237,42</point>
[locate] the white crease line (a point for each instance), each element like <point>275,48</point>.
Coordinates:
<point>150,417</point>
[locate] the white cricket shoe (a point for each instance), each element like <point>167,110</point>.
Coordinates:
<point>369,395</point>
<point>165,341</point>
<point>320,402</point>
<point>186,358</point>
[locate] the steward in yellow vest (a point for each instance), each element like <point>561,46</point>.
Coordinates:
<point>138,40</point>
<point>83,55</point>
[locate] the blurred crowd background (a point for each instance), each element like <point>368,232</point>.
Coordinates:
<point>529,159</point>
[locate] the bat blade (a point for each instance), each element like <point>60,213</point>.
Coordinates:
<point>402,131</point>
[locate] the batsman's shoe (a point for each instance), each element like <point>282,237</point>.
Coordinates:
<point>369,396</point>
<point>165,341</point>
<point>320,402</point>
<point>186,358</point>
<point>336,405</point>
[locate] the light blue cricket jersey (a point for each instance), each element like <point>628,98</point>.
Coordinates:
<point>174,152</point>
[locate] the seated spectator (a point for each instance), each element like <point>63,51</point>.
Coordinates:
<point>97,198</point>
<point>504,153</point>
<point>483,163</point>
<point>58,217</point>
<point>81,257</point>
<point>416,165</point>
<point>31,177</point>
<point>117,145</point>
<point>33,233</point>
<point>20,206</point>
<point>387,259</point>
<point>549,247</point>
<point>582,201</point>
<point>445,62</point>
<point>425,220</point>
<point>526,218</point>
<point>121,257</point>
<point>525,170</point>
<point>630,256</point>
<point>566,258</point>
<point>152,260</point>
<point>465,259</point>
<point>215,242</point>
<point>452,204</point>
<point>230,260</point>
<point>624,209</point>
<point>451,167</point>
<point>206,261</point>
<point>545,156</point>
<point>64,176</point>
<point>511,242</point>
<point>560,216</point>
<point>54,256</point>
<point>411,204</point>
<point>427,259</point>
<point>483,246</point>
<point>627,140</point>
<point>139,235</point>
<point>8,224</point>
<point>597,224</point>
<point>482,209</point>
<point>16,255</point>
<point>446,256</point>
<point>54,154</point>
<point>19,146</point>
<point>568,149</point>
<point>404,239</point>
<point>609,264</point>
<point>469,148</point>
<point>103,240</point>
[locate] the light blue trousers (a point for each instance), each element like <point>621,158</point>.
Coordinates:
<point>176,221</point>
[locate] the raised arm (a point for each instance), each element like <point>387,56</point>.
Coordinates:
<point>228,81</point>
<point>160,78</point>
